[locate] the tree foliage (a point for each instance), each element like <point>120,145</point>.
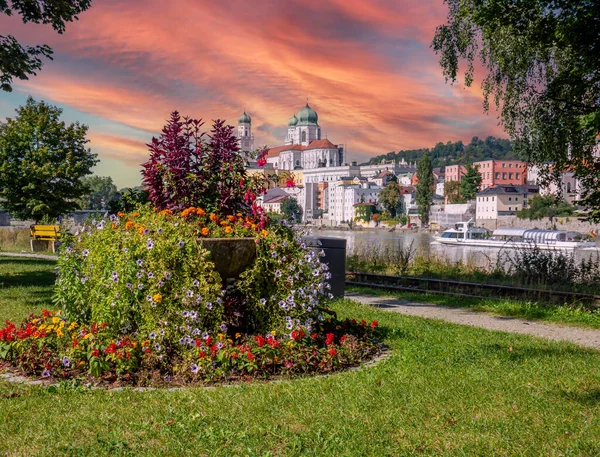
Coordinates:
<point>365,211</point>
<point>101,192</point>
<point>542,63</point>
<point>130,198</point>
<point>546,206</point>
<point>391,199</point>
<point>424,188</point>
<point>17,61</point>
<point>471,182</point>
<point>42,162</point>
<point>455,153</point>
<point>291,209</point>
<point>452,192</point>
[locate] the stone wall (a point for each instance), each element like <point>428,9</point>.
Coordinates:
<point>4,218</point>
<point>558,223</point>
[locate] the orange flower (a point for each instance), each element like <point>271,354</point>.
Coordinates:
<point>264,233</point>
<point>136,214</point>
<point>114,226</point>
<point>141,230</point>
<point>231,218</point>
<point>120,214</point>
<point>166,212</point>
<point>224,223</point>
<point>128,225</point>
<point>200,212</point>
<point>214,217</point>
<point>204,231</point>
<point>239,214</point>
<point>228,230</point>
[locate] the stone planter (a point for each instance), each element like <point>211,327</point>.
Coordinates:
<point>231,256</point>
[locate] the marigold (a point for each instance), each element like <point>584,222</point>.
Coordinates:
<point>120,214</point>
<point>200,212</point>
<point>157,298</point>
<point>264,233</point>
<point>59,333</point>
<point>114,226</point>
<point>87,335</point>
<point>231,218</point>
<point>214,217</point>
<point>128,225</point>
<point>224,223</point>
<point>141,230</point>
<point>228,230</point>
<point>55,320</point>
<point>204,231</point>
<point>136,214</point>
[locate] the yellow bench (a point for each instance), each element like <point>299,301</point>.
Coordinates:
<point>44,237</point>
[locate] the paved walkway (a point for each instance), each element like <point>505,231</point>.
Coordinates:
<point>589,338</point>
<point>28,256</point>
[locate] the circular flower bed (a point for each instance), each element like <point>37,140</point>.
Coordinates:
<point>142,302</point>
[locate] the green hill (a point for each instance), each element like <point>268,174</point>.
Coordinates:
<point>455,153</point>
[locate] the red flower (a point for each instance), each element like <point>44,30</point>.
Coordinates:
<point>147,351</point>
<point>363,322</point>
<point>201,354</point>
<point>374,324</point>
<point>332,352</point>
<point>273,343</point>
<point>46,313</point>
<point>343,338</point>
<point>250,356</point>
<point>295,335</point>
<point>234,356</point>
<point>313,336</point>
<point>95,353</point>
<point>260,341</point>
<point>198,342</point>
<point>208,340</point>
<point>111,349</point>
<point>329,338</point>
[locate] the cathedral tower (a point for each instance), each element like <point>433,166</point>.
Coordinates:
<point>245,135</point>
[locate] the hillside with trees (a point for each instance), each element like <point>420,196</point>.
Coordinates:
<point>455,153</point>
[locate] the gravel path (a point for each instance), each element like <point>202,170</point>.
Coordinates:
<point>588,338</point>
<point>28,256</point>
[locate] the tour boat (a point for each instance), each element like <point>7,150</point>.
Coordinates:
<point>464,234</point>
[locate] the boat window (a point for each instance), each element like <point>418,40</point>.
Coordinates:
<point>460,235</point>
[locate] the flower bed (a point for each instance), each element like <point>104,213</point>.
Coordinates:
<point>50,346</point>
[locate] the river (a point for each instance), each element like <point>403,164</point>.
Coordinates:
<point>359,242</point>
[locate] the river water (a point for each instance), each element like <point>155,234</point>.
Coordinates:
<point>365,242</point>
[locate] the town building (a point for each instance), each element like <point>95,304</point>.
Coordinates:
<point>503,200</point>
<point>502,172</point>
<point>455,173</point>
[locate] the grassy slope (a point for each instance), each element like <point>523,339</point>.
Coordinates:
<point>572,315</point>
<point>446,390</point>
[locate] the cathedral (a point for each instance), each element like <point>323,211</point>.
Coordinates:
<point>303,147</point>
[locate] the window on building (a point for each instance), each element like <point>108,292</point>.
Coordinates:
<point>510,208</point>
<point>503,175</point>
<point>510,199</point>
<point>303,136</point>
<point>497,175</point>
<point>510,176</point>
<point>510,165</point>
<point>503,165</point>
<point>516,199</point>
<point>517,175</point>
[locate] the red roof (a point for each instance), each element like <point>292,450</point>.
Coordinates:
<point>273,152</point>
<point>321,144</point>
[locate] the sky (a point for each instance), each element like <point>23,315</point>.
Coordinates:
<point>366,67</point>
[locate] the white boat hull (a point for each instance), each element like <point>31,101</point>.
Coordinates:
<point>556,245</point>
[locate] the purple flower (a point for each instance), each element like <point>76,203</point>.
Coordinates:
<point>161,283</point>
<point>220,345</point>
<point>193,314</point>
<point>84,280</point>
<point>185,314</point>
<point>160,231</point>
<point>149,297</point>
<point>150,243</point>
<point>190,293</point>
<point>115,276</point>
<point>46,373</point>
<point>130,286</point>
<point>146,231</point>
<point>139,275</point>
<point>113,218</point>
<point>282,304</point>
<point>100,226</point>
<point>66,362</point>
<point>316,273</point>
<point>263,301</point>
<point>152,335</point>
<point>209,305</point>
<point>150,275</point>
<point>196,332</point>
<point>223,327</point>
<point>194,368</point>
<point>205,335</point>
<point>274,254</point>
<point>157,347</point>
<point>278,273</point>
<point>85,253</point>
<point>181,243</point>
<point>196,283</point>
<point>139,262</point>
<point>167,276</point>
<point>140,286</point>
<point>162,331</point>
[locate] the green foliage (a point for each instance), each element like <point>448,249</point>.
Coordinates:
<point>456,153</point>
<point>471,182</point>
<point>364,212</point>
<point>541,58</point>
<point>424,188</point>
<point>291,209</point>
<point>391,199</point>
<point>42,161</point>
<point>452,190</point>
<point>546,206</point>
<point>130,199</point>
<point>102,192</point>
<point>17,61</point>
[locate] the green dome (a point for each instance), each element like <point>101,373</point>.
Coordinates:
<point>308,116</point>
<point>293,121</point>
<point>244,119</point>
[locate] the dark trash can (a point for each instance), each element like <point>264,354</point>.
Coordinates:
<point>335,258</point>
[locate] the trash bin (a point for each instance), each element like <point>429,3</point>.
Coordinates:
<point>335,258</point>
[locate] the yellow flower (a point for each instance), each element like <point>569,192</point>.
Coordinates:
<point>59,333</point>
<point>289,343</point>
<point>49,328</point>
<point>264,233</point>
<point>157,298</point>
<point>55,320</point>
<point>35,321</point>
<point>42,327</point>
<point>72,326</point>
<point>273,332</point>
<point>62,324</point>
<point>145,343</point>
<point>221,336</point>
<point>134,345</point>
<point>229,340</point>
<point>87,335</point>
<point>237,335</point>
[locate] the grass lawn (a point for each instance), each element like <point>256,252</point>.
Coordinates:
<point>445,390</point>
<point>566,314</point>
